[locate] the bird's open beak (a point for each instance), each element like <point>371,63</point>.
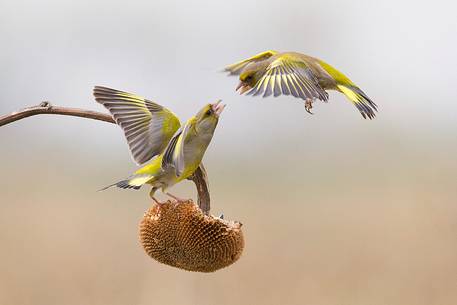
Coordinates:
<point>218,107</point>
<point>242,88</point>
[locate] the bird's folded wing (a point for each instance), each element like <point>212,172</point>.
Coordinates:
<point>174,153</point>
<point>289,77</point>
<point>147,126</point>
<point>237,68</point>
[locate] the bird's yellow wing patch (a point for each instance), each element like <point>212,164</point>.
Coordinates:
<point>289,77</point>
<point>147,126</point>
<point>237,68</point>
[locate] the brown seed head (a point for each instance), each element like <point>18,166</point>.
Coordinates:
<point>180,235</point>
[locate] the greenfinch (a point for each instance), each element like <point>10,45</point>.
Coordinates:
<point>299,75</point>
<point>154,133</point>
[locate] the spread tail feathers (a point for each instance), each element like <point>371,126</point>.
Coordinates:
<point>360,100</point>
<point>134,182</point>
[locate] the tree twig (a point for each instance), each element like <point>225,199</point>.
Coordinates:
<point>199,177</point>
<point>47,108</point>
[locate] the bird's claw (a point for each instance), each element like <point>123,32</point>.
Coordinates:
<point>309,106</point>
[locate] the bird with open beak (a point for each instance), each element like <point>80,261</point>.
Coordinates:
<point>299,75</point>
<point>154,133</point>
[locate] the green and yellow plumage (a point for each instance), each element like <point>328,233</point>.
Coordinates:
<point>299,75</point>
<point>155,133</point>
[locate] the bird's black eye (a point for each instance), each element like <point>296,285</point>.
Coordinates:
<point>249,77</point>
<point>208,112</point>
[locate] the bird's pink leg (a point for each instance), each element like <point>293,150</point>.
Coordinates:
<point>151,194</point>
<point>175,198</point>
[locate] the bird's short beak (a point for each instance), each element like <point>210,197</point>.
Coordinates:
<point>242,87</point>
<point>218,107</point>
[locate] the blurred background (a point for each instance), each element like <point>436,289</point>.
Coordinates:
<point>336,209</point>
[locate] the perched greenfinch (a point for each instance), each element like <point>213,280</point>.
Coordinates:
<point>154,132</point>
<point>297,74</point>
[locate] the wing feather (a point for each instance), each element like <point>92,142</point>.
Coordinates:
<point>284,83</point>
<point>278,88</point>
<point>237,68</point>
<point>147,126</point>
<point>289,77</point>
<point>174,153</point>
<point>269,85</point>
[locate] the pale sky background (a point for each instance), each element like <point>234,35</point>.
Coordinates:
<point>337,209</point>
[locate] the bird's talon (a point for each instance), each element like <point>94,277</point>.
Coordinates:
<point>309,106</point>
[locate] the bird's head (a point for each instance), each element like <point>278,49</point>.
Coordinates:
<point>250,76</point>
<point>208,116</point>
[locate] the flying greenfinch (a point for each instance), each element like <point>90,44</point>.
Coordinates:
<point>154,133</point>
<point>299,75</point>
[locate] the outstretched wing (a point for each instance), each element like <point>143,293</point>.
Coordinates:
<point>237,68</point>
<point>289,76</point>
<point>147,126</point>
<point>174,153</point>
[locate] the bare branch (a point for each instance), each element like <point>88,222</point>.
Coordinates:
<point>199,177</point>
<point>47,108</point>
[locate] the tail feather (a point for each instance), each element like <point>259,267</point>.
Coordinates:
<point>125,184</point>
<point>360,100</point>
<point>135,182</point>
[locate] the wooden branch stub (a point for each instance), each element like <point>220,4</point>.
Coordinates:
<point>200,178</point>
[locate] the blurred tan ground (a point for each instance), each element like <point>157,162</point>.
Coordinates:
<point>370,229</point>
